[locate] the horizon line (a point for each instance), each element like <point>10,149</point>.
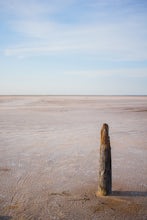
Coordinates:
<point>69,95</point>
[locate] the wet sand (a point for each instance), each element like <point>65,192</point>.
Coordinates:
<point>49,155</point>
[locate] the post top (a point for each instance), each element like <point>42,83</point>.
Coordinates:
<point>105,134</point>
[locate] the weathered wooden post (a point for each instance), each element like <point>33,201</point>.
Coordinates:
<point>105,173</point>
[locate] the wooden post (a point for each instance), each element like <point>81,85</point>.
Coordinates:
<point>105,173</point>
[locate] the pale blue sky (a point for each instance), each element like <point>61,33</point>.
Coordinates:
<point>89,47</point>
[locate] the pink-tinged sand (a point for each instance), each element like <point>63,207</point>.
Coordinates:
<point>49,155</point>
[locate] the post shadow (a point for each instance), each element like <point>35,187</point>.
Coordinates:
<point>130,193</point>
<point>5,217</point>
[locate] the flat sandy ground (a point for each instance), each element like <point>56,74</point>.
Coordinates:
<point>49,156</point>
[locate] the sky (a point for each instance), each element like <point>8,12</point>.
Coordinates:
<point>73,47</point>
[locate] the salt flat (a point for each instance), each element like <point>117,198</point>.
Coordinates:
<point>49,155</point>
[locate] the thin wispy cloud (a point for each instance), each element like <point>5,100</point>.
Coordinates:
<point>124,39</point>
<point>70,30</point>
<point>31,8</point>
<point>129,72</point>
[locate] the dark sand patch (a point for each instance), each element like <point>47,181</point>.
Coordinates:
<point>4,169</point>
